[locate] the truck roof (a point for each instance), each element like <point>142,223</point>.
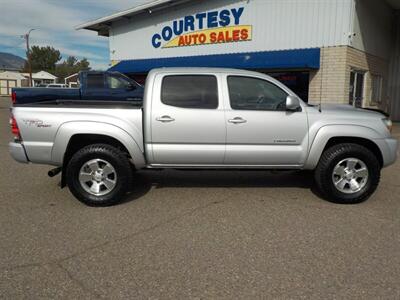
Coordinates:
<point>97,72</point>
<point>226,71</point>
<point>206,70</point>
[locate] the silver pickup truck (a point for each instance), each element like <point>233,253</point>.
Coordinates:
<point>208,119</point>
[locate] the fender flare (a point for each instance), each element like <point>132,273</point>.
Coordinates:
<point>69,129</point>
<point>325,133</point>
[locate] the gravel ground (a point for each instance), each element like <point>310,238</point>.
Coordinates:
<point>195,234</point>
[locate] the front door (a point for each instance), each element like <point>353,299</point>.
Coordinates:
<point>260,132</point>
<point>187,121</point>
<point>121,88</point>
<point>356,89</point>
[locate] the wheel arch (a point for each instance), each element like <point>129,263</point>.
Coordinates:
<point>359,141</point>
<point>328,136</point>
<point>72,136</point>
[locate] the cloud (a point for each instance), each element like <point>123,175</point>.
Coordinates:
<point>54,22</point>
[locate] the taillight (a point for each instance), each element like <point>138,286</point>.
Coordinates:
<point>14,97</point>
<point>14,128</point>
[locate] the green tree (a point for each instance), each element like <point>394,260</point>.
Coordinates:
<point>43,58</point>
<point>83,64</point>
<point>70,66</point>
<point>71,61</point>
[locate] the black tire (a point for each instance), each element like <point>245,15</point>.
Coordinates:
<point>122,174</point>
<point>331,157</point>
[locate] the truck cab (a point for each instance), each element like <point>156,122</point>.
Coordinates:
<point>115,86</point>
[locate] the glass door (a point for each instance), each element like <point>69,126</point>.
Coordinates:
<point>356,89</point>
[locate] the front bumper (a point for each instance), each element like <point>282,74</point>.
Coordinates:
<point>17,152</point>
<point>390,153</point>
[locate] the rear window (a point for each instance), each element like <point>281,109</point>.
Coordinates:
<point>95,81</point>
<point>190,91</point>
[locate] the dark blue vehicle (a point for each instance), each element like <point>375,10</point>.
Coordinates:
<point>94,85</point>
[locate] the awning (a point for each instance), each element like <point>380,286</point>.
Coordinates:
<point>283,59</point>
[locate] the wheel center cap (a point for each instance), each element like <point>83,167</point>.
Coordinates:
<point>98,176</point>
<point>349,174</point>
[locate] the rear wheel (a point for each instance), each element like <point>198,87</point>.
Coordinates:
<point>347,173</point>
<point>99,175</point>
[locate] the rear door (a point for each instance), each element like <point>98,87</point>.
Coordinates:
<point>260,131</point>
<point>95,87</point>
<point>187,120</point>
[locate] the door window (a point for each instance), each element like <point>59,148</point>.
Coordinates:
<point>190,91</point>
<point>116,82</point>
<point>247,93</point>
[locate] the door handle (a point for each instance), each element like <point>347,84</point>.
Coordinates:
<point>165,119</point>
<point>237,120</point>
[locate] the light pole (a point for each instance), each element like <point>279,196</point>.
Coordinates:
<point>28,58</point>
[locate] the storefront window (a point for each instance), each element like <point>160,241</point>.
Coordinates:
<point>376,83</point>
<point>298,82</point>
<point>356,88</point>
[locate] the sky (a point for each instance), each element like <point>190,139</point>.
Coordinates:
<point>54,22</point>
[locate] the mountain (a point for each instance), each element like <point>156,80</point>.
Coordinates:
<point>11,61</point>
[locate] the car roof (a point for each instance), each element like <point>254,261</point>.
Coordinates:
<point>203,70</point>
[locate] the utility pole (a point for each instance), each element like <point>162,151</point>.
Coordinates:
<point>28,57</point>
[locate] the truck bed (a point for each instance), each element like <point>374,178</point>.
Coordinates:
<point>72,103</point>
<point>33,95</point>
<point>46,128</point>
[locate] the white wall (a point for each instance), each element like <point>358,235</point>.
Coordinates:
<point>9,75</point>
<point>277,25</point>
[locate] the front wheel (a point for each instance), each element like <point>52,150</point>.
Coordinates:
<point>99,175</point>
<point>347,173</point>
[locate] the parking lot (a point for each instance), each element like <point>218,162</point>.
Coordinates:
<point>195,234</point>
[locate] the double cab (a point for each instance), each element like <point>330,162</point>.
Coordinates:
<point>204,118</point>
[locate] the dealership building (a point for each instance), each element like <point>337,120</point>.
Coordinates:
<point>336,51</point>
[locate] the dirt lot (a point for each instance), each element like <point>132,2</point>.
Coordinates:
<point>195,234</point>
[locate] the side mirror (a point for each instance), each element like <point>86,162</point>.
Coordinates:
<point>130,87</point>
<point>292,103</point>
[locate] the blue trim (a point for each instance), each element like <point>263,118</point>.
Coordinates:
<point>283,59</point>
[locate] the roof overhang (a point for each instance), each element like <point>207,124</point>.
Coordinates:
<point>72,75</point>
<point>304,59</point>
<point>102,25</point>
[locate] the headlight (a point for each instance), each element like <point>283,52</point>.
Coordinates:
<point>388,123</point>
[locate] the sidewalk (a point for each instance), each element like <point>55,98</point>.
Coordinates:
<point>5,102</point>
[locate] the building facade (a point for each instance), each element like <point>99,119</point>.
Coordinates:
<point>9,80</point>
<point>41,78</point>
<point>340,51</point>
<point>72,81</point>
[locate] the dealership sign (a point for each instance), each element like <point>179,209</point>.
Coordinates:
<point>214,27</point>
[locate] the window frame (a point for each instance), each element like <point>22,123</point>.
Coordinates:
<point>257,78</point>
<point>192,75</point>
